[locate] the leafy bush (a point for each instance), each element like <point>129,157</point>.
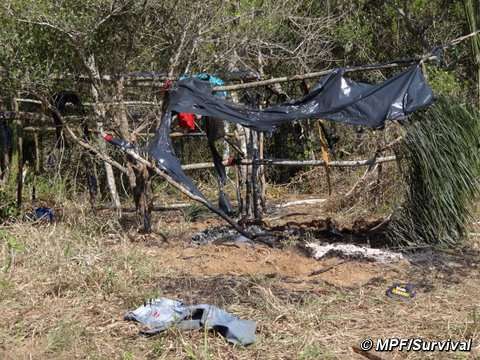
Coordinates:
<point>445,83</point>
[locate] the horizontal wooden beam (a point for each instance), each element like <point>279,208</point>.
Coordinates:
<point>301,202</point>
<point>272,81</point>
<point>425,58</point>
<point>183,206</point>
<point>166,207</point>
<point>299,163</point>
<point>90,104</point>
<point>155,77</point>
<point>153,82</point>
<point>310,76</point>
<point>35,129</point>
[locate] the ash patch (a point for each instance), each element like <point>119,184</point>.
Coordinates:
<point>350,251</point>
<point>222,234</point>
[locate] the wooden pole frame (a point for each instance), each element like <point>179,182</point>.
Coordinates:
<point>254,163</point>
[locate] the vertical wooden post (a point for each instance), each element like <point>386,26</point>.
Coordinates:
<point>37,164</point>
<point>109,173</point>
<point>38,156</point>
<point>325,154</point>
<point>242,171</point>
<point>226,145</point>
<point>100,112</point>
<point>248,174</point>
<point>239,185</point>
<point>378,183</point>
<point>260,143</point>
<point>263,184</point>
<point>254,175</point>
<point>4,150</point>
<point>19,148</point>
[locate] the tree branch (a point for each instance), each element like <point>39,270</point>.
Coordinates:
<point>79,141</point>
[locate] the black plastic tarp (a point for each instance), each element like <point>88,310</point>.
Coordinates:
<point>335,98</point>
<point>161,149</point>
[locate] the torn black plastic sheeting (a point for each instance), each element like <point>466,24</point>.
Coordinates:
<point>334,98</point>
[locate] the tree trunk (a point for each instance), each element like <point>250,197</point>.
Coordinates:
<point>138,176</point>
<point>17,156</point>
<point>109,172</point>
<point>142,198</point>
<point>5,148</point>
<point>100,112</point>
<point>19,135</point>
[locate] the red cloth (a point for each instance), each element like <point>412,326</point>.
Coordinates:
<point>186,120</point>
<point>167,84</point>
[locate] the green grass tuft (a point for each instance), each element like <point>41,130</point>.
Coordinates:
<point>442,155</point>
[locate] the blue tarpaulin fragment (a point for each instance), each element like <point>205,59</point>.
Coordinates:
<point>160,314</point>
<point>44,213</point>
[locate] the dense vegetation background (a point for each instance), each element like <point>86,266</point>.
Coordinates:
<point>43,40</point>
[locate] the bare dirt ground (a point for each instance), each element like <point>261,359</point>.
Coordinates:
<point>65,288</point>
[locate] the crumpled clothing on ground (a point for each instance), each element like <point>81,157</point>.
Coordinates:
<point>160,314</point>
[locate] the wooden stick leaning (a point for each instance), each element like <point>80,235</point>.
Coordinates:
<point>186,192</point>
<point>161,173</point>
<point>151,166</point>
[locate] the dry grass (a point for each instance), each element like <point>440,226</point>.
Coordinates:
<point>68,286</point>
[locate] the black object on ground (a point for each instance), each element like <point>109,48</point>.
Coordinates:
<point>401,291</point>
